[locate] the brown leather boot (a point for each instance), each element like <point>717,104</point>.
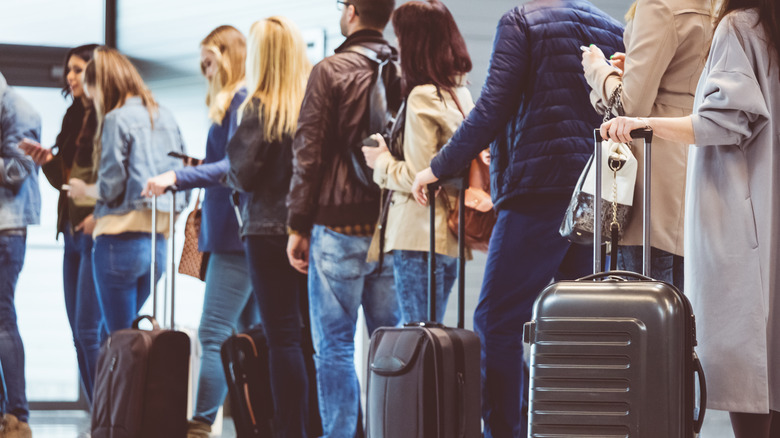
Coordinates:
<point>13,428</point>
<point>195,429</point>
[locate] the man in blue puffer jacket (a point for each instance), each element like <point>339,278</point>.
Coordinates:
<point>535,113</point>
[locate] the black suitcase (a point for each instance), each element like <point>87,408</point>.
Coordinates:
<point>424,379</point>
<point>612,354</point>
<point>245,362</point>
<point>142,376</point>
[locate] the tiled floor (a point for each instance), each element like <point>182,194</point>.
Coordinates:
<point>69,424</point>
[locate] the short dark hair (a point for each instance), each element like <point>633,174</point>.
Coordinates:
<point>433,50</point>
<point>374,13</point>
<point>85,53</point>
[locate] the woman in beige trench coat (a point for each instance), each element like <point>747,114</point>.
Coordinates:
<point>732,223</point>
<point>666,47</point>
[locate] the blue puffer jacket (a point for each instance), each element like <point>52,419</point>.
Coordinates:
<point>534,109</point>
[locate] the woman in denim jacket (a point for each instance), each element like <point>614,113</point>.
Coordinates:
<point>135,137</point>
<point>433,68</point>
<point>228,290</point>
<point>260,157</point>
<point>71,156</point>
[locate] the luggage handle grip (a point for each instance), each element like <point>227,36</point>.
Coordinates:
<point>615,275</point>
<point>137,322</point>
<point>697,425</point>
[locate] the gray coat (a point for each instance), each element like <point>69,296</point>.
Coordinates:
<point>732,225</point>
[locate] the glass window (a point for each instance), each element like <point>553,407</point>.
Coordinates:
<point>63,23</point>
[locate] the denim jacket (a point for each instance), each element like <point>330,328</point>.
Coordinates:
<point>134,150</point>
<point>20,197</point>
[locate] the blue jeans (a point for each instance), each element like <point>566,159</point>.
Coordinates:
<point>122,268</point>
<point>664,266</point>
<point>12,249</point>
<point>340,281</point>
<point>526,253</point>
<point>278,288</point>
<point>81,304</point>
<point>411,283</point>
<point>228,305</point>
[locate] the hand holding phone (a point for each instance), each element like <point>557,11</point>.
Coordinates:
<point>370,141</point>
<point>39,154</point>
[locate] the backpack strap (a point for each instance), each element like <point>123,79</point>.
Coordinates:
<point>378,118</point>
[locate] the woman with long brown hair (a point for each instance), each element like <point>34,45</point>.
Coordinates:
<point>732,220</point>
<point>434,63</point>
<point>228,290</point>
<point>134,138</point>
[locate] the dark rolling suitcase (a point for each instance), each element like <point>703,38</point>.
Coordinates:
<point>142,376</point>
<point>424,379</point>
<point>245,362</point>
<point>612,354</point>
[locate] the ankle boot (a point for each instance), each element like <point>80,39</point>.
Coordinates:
<point>13,428</point>
<point>195,429</point>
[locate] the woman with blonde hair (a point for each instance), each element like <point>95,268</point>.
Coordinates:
<point>666,47</point>
<point>133,139</point>
<point>228,303</point>
<point>260,157</point>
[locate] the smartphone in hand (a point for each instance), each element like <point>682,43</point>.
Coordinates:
<point>370,141</point>
<point>188,161</point>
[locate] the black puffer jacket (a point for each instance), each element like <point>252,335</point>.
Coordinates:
<point>335,116</point>
<point>534,109</point>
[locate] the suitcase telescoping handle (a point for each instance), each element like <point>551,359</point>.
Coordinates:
<point>647,136</point>
<point>460,183</point>
<point>171,229</point>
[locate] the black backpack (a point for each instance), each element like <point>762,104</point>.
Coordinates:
<point>381,114</point>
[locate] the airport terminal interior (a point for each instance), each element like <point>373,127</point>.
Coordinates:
<point>162,38</point>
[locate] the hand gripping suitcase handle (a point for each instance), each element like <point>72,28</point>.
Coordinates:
<point>702,395</point>
<point>172,222</point>
<point>460,183</point>
<point>647,136</point>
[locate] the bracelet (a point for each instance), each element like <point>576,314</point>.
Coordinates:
<point>646,122</point>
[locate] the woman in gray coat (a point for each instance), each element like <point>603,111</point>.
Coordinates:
<point>732,223</point>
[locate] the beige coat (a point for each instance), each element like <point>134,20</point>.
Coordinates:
<point>430,122</point>
<point>732,241</point>
<point>666,47</point>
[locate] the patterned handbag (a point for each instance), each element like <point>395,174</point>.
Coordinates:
<point>193,262</point>
<point>617,189</point>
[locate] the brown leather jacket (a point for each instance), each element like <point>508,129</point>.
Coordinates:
<point>334,116</point>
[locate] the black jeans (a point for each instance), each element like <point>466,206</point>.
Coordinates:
<point>278,288</point>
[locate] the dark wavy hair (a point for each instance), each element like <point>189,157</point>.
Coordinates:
<point>85,53</point>
<point>768,18</point>
<point>432,48</point>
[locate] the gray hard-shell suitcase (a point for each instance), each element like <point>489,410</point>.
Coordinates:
<point>143,375</point>
<point>612,354</point>
<point>424,378</point>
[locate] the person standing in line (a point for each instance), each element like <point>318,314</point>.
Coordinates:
<point>228,303</point>
<point>732,217</point>
<point>331,213</point>
<point>436,101</point>
<point>666,47</point>
<point>535,113</point>
<point>260,157</point>
<point>71,156</point>
<point>134,138</point>
<point>20,206</point>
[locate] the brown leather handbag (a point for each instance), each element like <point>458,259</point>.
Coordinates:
<point>193,262</point>
<point>479,215</point>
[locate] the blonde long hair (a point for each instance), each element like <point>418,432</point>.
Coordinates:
<point>229,47</point>
<point>277,69</point>
<point>116,79</point>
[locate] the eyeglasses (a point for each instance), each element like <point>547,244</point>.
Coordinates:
<point>341,5</point>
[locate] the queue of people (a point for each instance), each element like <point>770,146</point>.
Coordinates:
<point>284,136</point>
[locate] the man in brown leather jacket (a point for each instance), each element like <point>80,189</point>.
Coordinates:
<point>332,214</point>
